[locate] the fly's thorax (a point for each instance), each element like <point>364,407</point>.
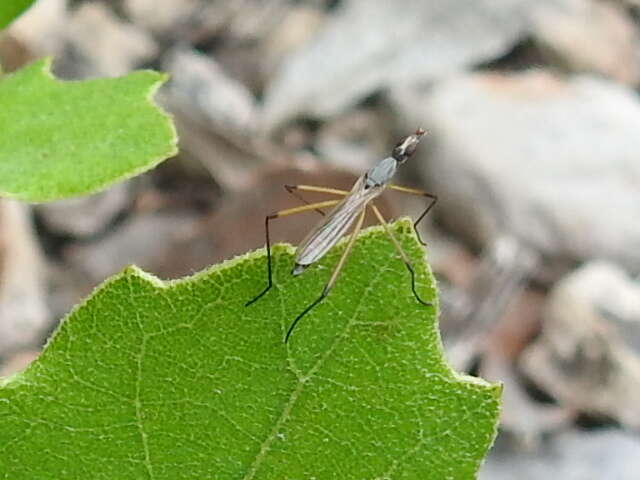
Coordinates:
<point>381,174</point>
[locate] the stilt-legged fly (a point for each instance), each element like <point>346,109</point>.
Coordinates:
<point>351,208</point>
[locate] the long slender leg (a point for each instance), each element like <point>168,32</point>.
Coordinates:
<point>313,188</point>
<point>292,189</point>
<point>284,213</point>
<point>403,255</point>
<point>334,276</point>
<point>415,191</point>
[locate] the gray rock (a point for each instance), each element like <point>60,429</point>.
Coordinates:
<point>588,35</point>
<point>298,26</point>
<point>206,93</point>
<point>244,21</point>
<point>101,44</point>
<point>41,28</point>
<point>368,46</point>
<point>573,455</point>
<point>162,16</point>
<point>499,278</point>
<point>526,420</point>
<point>215,116</point>
<point>552,161</point>
<point>197,21</point>
<point>23,313</point>
<point>142,240</point>
<point>355,141</point>
<point>588,355</point>
<point>85,216</point>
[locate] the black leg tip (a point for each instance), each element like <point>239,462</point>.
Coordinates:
<point>262,294</point>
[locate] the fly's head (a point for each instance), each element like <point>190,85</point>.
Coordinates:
<point>405,147</point>
<point>380,175</point>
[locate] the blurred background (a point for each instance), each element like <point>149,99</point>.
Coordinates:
<point>533,116</point>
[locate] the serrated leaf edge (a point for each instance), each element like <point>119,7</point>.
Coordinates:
<point>44,65</point>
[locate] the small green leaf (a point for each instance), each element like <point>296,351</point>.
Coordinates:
<point>180,380</point>
<point>11,9</point>
<point>61,139</point>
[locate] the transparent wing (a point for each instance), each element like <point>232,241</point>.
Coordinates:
<point>327,233</point>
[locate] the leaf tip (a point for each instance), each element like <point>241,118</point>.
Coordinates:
<point>404,226</point>
<point>160,78</point>
<point>45,64</point>
<point>14,380</point>
<point>133,271</point>
<point>41,65</point>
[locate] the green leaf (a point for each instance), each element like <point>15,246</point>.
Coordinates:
<point>179,380</point>
<point>11,9</point>
<point>62,139</point>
